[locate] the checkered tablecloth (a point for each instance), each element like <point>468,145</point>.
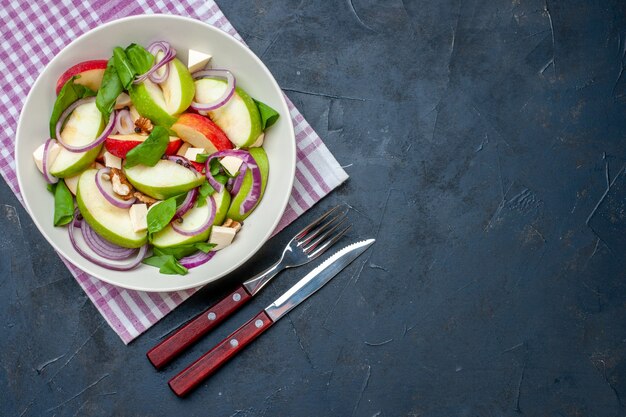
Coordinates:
<point>33,33</point>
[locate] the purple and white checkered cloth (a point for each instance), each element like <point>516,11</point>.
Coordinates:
<point>33,33</point>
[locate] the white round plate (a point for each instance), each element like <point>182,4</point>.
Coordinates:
<point>183,34</point>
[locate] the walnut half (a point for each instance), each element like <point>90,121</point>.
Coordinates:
<point>143,125</point>
<point>230,223</point>
<point>121,186</point>
<point>144,198</point>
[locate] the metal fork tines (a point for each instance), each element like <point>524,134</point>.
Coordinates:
<point>305,246</point>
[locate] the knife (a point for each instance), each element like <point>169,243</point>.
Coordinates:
<point>207,364</point>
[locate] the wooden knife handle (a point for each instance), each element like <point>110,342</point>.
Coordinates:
<point>190,332</point>
<point>207,364</point>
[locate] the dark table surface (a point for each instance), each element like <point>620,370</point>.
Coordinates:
<point>485,142</point>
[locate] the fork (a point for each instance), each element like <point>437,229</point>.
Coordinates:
<point>308,244</point>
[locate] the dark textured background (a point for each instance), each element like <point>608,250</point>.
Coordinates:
<point>485,141</point>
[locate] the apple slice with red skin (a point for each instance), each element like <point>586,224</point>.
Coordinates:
<point>198,166</point>
<point>201,132</point>
<point>119,145</point>
<point>90,72</point>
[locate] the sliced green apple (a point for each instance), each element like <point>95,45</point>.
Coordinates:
<point>222,203</point>
<point>110,222</point>
<point>82,127</point>
<point>164,180</point>
<point>239,118</point>
<point>161,103</point>
<point>193,219</point>
<point>260,157</point>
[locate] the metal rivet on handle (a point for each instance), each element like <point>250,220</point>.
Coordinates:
<point>258,323</point>
<point>234,342</point>
<point>236,296</point>
<point>211,316</point>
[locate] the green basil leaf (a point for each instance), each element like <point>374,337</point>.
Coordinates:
<point>268,114</point>
<point>110,88</point>
<point>181,251</point>
<point>161,214</point>
<point>167,264</point>
<point>68,95</point>
<point>202,157</point>
<point>221,178</point>
<point>140,59</point>
<point>215,166</point>
<point>204,191</point>
<point>63,204</point>
<point>204,246</point>
<point>125,69</point>
<point>150,151</point>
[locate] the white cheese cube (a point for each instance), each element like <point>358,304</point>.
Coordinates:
<point>138,219</point>
<point>231,164</point>
<point>222,236</point>
<point>183,149</point>
<point>112,161</point>
<point>197,60</point>
<point>53,152</point>
<point>191,153</point>
<point>98,165</point>
<point>72,183</point>
<point>259,141</point>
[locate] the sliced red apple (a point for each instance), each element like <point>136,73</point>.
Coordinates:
<point>119,145</point>
<point>201,132</point>
<point>90,72</point>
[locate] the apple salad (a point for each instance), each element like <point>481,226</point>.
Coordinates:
<point>155,161</point>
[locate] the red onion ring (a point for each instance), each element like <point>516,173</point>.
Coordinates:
<point>187,203</point>
<point>255,191</point>
<point>154,48</point>
<point>208,223</point>
<point>231,84</point>
<point>238,180</point>
<point>102,247</point>
<point>106,189</point>
<point>141,253</point>
<point>96,142</point>
<point>124,122</point>
<point>50,179</point>
<point>245,156</point>
<point>196,259</point>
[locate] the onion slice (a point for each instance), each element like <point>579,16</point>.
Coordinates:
<point>170,54</point>
<point>238,180</point>
<point>187,203</point>
<point>124,124</point>
<point>231,84</point>
<point>196,259</point>
<point>44,166</point>
<point>97,141</point>
<point>132,263</point>
<point>255,191</point>
<point>203,227</point>
<point>102,247</point>
<point>106,189</point>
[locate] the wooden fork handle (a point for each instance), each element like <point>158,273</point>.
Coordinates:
<point>207,364</point>
<point>193,330</point>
